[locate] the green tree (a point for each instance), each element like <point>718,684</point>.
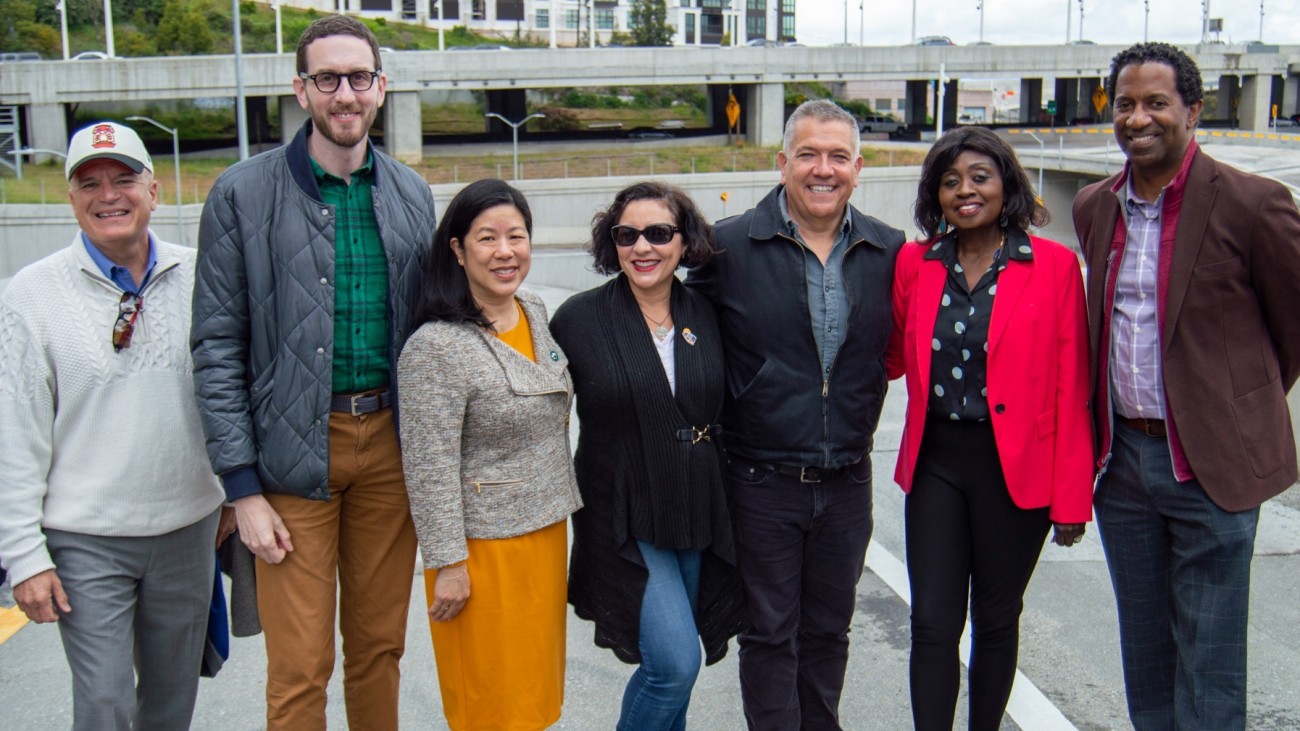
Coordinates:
<point>13,15</point>
<point>649,23</point>
<point>195,36</point>
<point>169,26</point>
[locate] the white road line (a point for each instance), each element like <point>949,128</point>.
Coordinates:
<point>1028,707</point>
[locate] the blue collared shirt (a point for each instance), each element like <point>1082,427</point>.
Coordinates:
<point>828,302</point>
<point>119,275</point>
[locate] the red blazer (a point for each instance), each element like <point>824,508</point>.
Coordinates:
<point>1037,374</point>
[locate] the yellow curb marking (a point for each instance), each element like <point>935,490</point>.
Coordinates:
<point>11,620</point>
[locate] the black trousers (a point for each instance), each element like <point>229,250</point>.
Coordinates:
<point>966,539</point>
<point>800,549</point>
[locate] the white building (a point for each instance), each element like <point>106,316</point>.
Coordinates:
<point>566,22</point>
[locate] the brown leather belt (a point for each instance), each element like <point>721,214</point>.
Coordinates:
<point>1149,427</point>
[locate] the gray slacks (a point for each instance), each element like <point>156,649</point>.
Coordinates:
<point>134,638</point>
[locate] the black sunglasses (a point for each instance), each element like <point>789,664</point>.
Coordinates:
<point>657,234</point>
<point>128,309</point>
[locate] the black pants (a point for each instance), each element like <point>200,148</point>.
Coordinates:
<point>966,538</point>
<point>800,549</point>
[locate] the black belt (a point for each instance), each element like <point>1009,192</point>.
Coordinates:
<point>697,434</point>
<point>809,474</point>
<point>1149,427</point>
<point>361,403</point>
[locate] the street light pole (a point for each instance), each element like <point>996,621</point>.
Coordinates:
<point>514,133</point>
<point>30,152</point>
<point>1146,19</point>
<point>981,7</point>
<point>62,7</point>
<point>176,163</point>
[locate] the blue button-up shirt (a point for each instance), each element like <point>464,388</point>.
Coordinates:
<point>119,275</point>
<point>828,303</point>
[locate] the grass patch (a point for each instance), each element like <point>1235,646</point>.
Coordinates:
<point>45,183</point>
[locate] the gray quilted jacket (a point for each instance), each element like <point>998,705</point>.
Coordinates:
<point>263,328</point>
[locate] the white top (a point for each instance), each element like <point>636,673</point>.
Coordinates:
<point>93,441</point>
<point>665,348</point>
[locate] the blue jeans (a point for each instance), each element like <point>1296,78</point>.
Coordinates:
<point>1180,566</point>
<point>659,691</point>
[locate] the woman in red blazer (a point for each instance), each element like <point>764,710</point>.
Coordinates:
<point>989,328</point>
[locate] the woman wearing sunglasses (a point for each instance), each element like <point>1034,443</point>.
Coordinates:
<point>997,444</point>
<point>653,563</point>
<point>484,405</point>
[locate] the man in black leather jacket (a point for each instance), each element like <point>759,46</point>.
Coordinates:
<point>802,288</point>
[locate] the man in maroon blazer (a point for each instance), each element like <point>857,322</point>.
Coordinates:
<point>1193,286</point>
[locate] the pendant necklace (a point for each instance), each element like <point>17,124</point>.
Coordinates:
<point>661,330</point>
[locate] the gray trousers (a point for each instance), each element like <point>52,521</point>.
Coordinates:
<point>134,638</point>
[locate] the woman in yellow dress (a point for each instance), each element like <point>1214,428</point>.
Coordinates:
<point>483,396</point>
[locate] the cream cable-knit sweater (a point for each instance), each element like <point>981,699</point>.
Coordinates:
<point>93,441</point>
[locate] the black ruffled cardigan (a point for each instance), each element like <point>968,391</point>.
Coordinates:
<point>638,479</point>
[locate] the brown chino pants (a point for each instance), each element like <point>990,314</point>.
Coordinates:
<point>363,542</point>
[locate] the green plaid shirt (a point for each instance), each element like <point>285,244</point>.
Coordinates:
<point>360,282</point>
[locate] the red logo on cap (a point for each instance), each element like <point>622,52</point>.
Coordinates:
<point>103,136</point>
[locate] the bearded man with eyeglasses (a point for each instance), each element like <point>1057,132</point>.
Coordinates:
<point>108,506</point>
<point>309,272</point>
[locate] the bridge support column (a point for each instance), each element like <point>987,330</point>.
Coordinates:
<point>765,118</point>
<point>403,134</point>
<point>949,103</point>
<point>1088,87</point>
<point>1226,107</point>
<point>47,129</point>
<point>1067,101</point>
<point>1031,100</point>
<point>917,101</point>
<point>292,117</point>
<point>1255,96</point>
<point>1290,96</point>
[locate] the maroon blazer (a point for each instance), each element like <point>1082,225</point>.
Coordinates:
<point>1230,332</point>
<point>1037,374</point>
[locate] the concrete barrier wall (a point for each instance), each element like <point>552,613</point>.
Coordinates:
<point>562,209</point>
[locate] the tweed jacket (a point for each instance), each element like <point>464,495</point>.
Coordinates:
<point>485,434</point>
<point>1229,335</point>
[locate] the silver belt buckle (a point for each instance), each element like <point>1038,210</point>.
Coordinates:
<point>352,403</point>
<point>803,472</point>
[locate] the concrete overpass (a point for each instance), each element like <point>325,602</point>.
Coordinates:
<point>1252,80</point>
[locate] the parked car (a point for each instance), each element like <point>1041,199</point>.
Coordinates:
<point>879,123</point>
<point>762,43</point>
<point>1281,122</point>
<point>934,41</point>
<point>649,133</point>
<point>20,56</point>
<point>90,56</point>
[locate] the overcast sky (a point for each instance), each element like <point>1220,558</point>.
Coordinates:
<point>1008,22</point>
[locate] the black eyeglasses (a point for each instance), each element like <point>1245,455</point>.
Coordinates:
<point>327,82</point>
<point>657,234</point>
<point>128,309</point>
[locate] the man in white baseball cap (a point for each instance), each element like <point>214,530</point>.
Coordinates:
<point>109,508</point>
